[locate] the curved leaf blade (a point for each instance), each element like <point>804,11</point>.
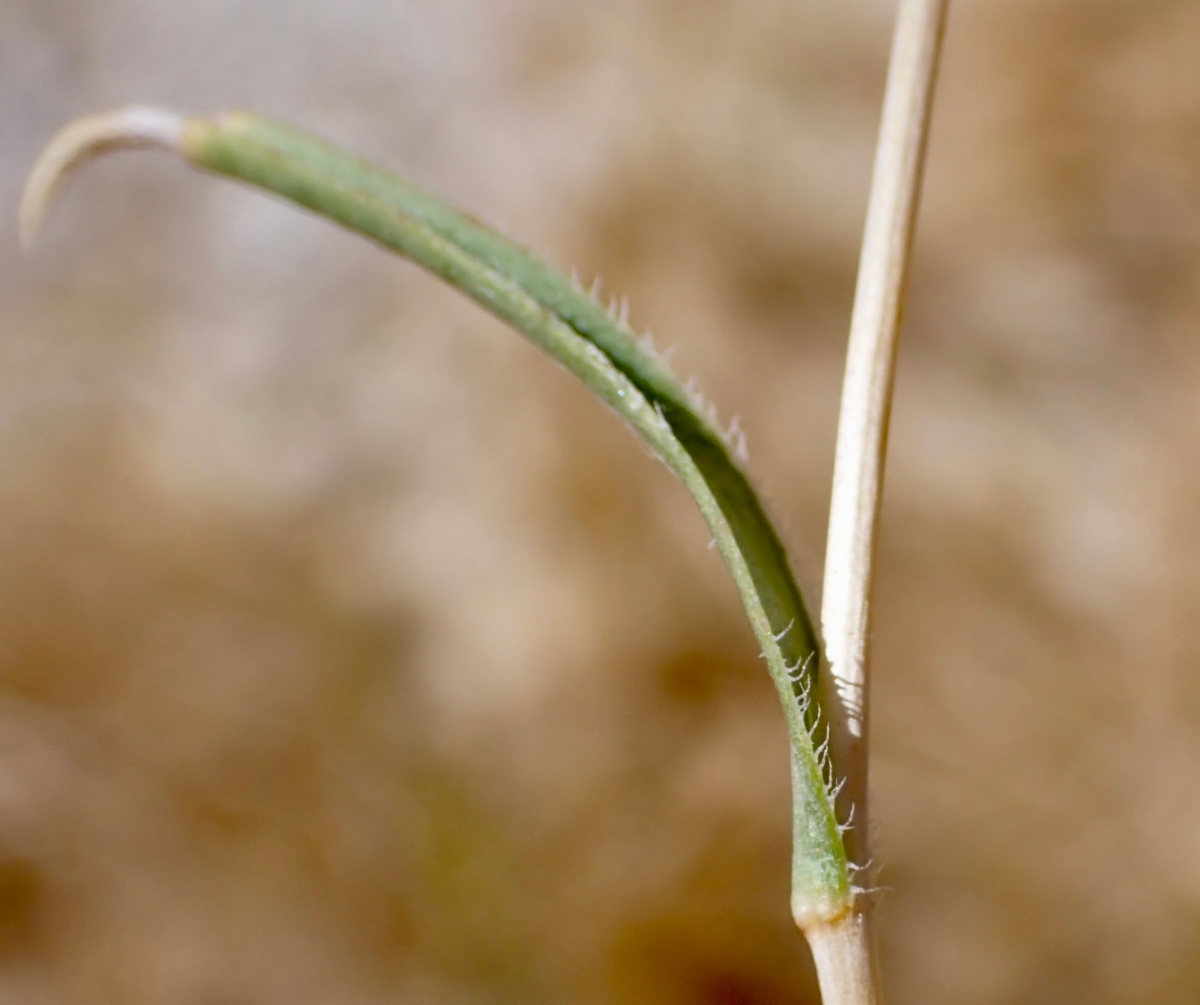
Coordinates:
<point>552,312</point>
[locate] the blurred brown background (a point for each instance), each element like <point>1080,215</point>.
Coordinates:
<point>350,653</point>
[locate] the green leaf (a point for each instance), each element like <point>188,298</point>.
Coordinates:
<point>556,315</point>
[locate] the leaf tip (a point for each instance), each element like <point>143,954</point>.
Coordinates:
<point>135,127</point>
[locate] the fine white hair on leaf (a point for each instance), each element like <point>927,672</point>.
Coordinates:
<point>798,669</point>
<point>869,870</point>
<point>594,292</point>
<point>849,824</point>
<point>855,868</point>
<point>804,703</point>
<point>133,128</point>
<point>823,746</point>
<point>782,635</point>
<point>803,695</point>
<point>735,439</point>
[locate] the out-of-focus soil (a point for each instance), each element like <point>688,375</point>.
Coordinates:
<point>350,653</point>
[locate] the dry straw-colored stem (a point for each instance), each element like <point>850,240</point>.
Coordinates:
<point>844,953</point>
<point>843,950</point>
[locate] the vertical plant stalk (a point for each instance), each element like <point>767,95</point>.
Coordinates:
<point>843,949</point>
